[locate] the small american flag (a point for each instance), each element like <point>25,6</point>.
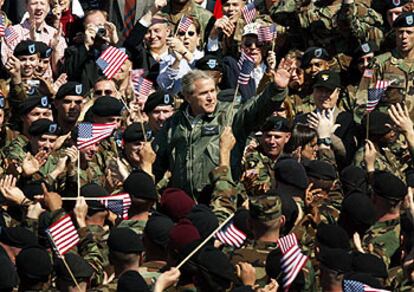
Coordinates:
<point>292,260</point>
<point>2,26</point>
<point>142,86</point>
<point>10,35</point>
<point>63,235</point>
<point>119,204</point>
<point>246,66</point>
<point>185,23</point>
<point>267,33</point>
<point>375,94</point>
<point>89,134</point>
<point>231,235</point>
<point>249,12</point>
<point>111,60</point>
<point>355,286</point>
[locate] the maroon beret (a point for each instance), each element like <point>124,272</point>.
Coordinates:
<point>176,204</point>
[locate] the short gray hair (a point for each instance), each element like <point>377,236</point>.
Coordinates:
<point>189,79</point>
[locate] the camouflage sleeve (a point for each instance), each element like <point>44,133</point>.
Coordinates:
<point>383,246</point>
<point>89,250</point>
<point>224,197</point>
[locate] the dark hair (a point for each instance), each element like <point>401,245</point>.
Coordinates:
<point>301,135</point>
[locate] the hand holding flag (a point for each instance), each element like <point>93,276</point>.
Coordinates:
<point>111,60</point>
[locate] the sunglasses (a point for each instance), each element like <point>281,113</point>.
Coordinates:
<point>103,92</point>
<point>249,44</point>
<point>190,33</point>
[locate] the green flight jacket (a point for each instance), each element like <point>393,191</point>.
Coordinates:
<point>189,146</point>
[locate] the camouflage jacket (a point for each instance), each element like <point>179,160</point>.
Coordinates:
<point>189,146</point>
<point>136,225</point>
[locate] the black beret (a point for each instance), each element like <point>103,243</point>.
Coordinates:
<point>17,236</point>
<point>216,263</point>
<point>107,106</point>
<point>364,49</point>
<point>320,170</point>
<point>336,259</point>
<point>359,208</point>
<point>94,190</point>
<point>313,53</point>
<point>34,101</point>
<point>353,178</point>
<point>131,281</point>
<point>333,236</point>
<point>390,4</point>
<point>370,264</point>
<point>378,123</point>
<point>44,126</point>
<point>291,177</point>
<point>409,177</point>
<point>210,63</point>
<point>134,133</point>
<point>32,188</point>
<point>25,48</point>
<point>405,19</point>
<point>203,219</point>
<point>44,50</point>
<point>388,186</point>
<point>275,123</point>
<point>226,95</point>
<point>8,275</point>
<point>140,184</point>
<point>327,79</point>
<point>80,268</point>
<point>289,209</point>
<point>157,98</point>
<point>34,263</point>
<point>125,240</point>
<point>157,229</point>
<point>71,88</point>
<point>2,101</point>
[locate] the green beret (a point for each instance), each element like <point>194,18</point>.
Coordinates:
<point>107,106</point>
<point>405,19</point>
<point>314,53</point>
<point>327,79</point>
<point>25,48</point>
<point>157,98</point>
<point>34,101</point>
<point>265,208</point>
<point>378,122</point>
<point>389,186</point>
<point>125,240</point>
<point>71,88</point>
<point>44,50</point>
<point>134,133</point>
<point>278,124</point>
<point>44,126</point>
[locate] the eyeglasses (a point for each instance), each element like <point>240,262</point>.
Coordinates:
<point>190,33</point>
<point>249,44</point>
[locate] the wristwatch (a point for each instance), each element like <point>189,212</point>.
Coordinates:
<point>325,141</point>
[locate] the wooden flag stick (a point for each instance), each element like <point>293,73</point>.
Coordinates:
<point>205,241</point>
<point>367,129</point>
<point>178,27</point>
<point>141,120</point>
<point>79,183</point>
<point>70,273</point>
<point>88,198</point>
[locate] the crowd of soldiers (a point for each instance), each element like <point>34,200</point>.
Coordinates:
<point>296,175</point>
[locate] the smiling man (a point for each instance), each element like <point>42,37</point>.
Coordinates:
<point>35,28</point>
<point>188,143</point>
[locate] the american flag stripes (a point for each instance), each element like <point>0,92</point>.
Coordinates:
<point>292,260</point>
<point>267,33</point>
<point>2,26</point>
<point>355,286</point>
<point>89,133</point>
<point>375,94</point>
<point>63,235</point>
<point>111,60</point>
<point>185,23</point>
<point>231,235</point>
<point>249,12</point>
<point>10,35</point>
<point>246,66</point>
<point>142,86</point>
<point>119,204</point>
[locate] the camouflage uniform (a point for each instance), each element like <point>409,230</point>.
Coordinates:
<point>383,239</point>
<point>136,225</point>
<point>92,174</point>
<point>150,271</point>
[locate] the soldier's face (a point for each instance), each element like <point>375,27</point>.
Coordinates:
<point>69,108</point>
<point>273,142</point>
<point>159,115</point>
<point>36,114</point>
<point>104,87</point>
<point>364,61</point>
<point>325,98</point>
<point>231,8</point>
<point>89,151</point>
<point>28,65</point>
<point>405,39</point>
<point>44,143</point>
<point>204,98</point>
<point>315,66</point>
<point>156,36</point>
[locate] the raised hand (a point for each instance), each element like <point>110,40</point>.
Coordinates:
<point>9,190</point>
<point>32,164</point>
<point>80,211</point>
<point>283,73</point>
<point>370,154</point>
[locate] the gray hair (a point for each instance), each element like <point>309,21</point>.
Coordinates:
<point>188,81</point>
